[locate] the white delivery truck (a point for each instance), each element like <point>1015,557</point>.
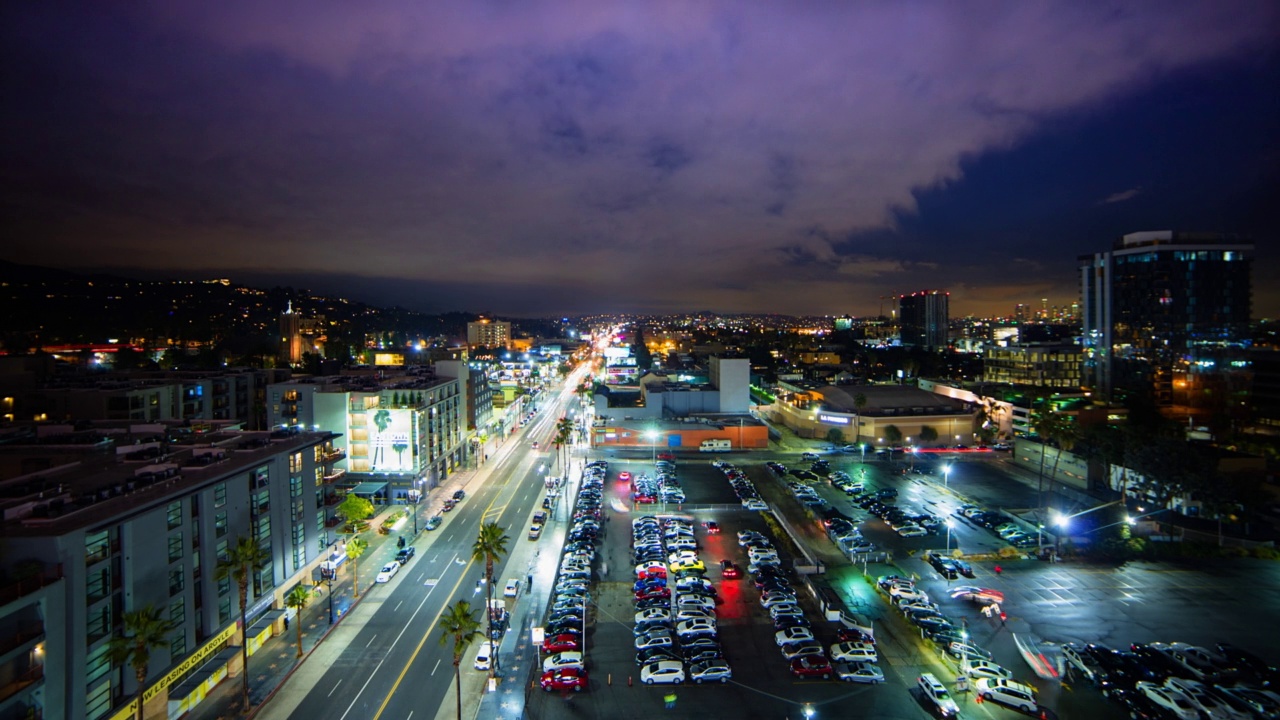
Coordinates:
<point>715,446</point>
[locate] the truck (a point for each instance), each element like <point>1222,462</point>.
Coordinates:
<point>715,446</point>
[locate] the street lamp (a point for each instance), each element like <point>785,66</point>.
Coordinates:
<point>652,437</point>
<point>950,524</point>
<point>946,476</point>
<point>328,578</point>
<point>864,452</point>
<point>1063,522</point>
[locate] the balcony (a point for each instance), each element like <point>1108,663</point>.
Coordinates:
<point>333,522</point>
<point>22,682</point>
<point>335,476</point>
<point>331,500</point>
<point>27,635</point>
<point>333,457</point>
<point>26,586</point>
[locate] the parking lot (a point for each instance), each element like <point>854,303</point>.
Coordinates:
<point>1051,602</point>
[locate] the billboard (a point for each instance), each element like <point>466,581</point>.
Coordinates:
<point>390,439</point>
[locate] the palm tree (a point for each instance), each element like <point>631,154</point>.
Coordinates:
<point>298,599</point>
<point>1045,422</point>
<point>144,629</point>
<point>490,545</point>
<point>355,548</point>
<point>859,402</point>
<point>245,559</point>
<point>564,431</point>
<point>459,625</point>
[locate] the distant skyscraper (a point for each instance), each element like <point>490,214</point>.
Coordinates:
<point>290,336</point>
<point>923,318</point>
<point>1166,313</point>
<point>489,333</point>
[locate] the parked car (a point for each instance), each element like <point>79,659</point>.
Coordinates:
<point>387,572</point>
<point>563,660</point>
<point>935,693</point>
<point>859,672</point>
<point>1008,692</point>
<point>405,554</point>
<point>570,678</point>
<point>662,672</point>
<point>812,666</point>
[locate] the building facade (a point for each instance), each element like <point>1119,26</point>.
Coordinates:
<point>135,528</point>
<point>489,333</point>
<point>923,318</point>
<point>1045,366</point>
<point>1166,313</point>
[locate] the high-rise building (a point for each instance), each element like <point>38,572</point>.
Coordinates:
<point>923,318</point>
<point>489,333</point>
<point>1166,313</point>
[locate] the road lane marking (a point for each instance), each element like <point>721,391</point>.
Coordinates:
<point>393,644</point>
<point>335,687</point>
<point>397,608</point>
<point>375,637</point>
<point>437,667</point>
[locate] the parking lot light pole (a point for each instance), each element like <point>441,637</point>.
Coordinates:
<point>946,475</point>
<point>950,524</point>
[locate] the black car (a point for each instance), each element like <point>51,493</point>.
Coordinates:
<point>1155,662</point>
<point>1138,707</point>
<point>405,554</point>
<point>648,655</point>
<point>459,494</point>
<point>944,565</point>
<point>1249,664</point>
<point>963,567</point>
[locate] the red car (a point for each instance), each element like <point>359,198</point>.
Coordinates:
<point>646,499</point>
<point>559,644</point>
<point>564,679</point>
<point>811,666</point>
<point>732,572</point>
<point>624,476</point>
<point>713,527</point>
<point>851,635</point>
<point>653,592</point>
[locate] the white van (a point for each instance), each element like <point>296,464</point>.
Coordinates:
<point>937,695</point>
<point>484,656</point>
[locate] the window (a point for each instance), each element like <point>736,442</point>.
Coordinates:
<point>177,580</point>
<point>97,546</point>
<point>97,584</point>
<point>224,584</point>
<point>220,524</point>
<point>175,547</point>
<point>224,610</point>
<point>320,521</point>
<point>175,514</point>
<point>319,476</point>
<point>261,502</point>
<point>318,454</point>
<point>98,663</point>
<point>222,551</point>
<point>262,530</point>
<point>295,463</point>
<point>178,645</point>
<point>260,478</point>
<point>322,541</point>
<point>97,701</point>
<point>298,512</point>
<point>295,486</point>
<point>178,611</point>
<point>299,557</point>
<point>219,495</point>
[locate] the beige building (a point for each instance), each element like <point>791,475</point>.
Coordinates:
<point>864,413</point>
<point>489,333</point>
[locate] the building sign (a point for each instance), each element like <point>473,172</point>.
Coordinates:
<point>193,661</point>
<point>833,419</point>
<point>390,434</point>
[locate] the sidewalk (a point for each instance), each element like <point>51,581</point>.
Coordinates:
<point>276,660</point>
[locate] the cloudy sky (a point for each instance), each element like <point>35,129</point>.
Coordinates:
<point>531,158</point>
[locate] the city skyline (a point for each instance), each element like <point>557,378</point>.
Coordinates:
<point>563,159</point>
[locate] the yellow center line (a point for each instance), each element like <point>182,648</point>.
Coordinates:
<point>395,686</point>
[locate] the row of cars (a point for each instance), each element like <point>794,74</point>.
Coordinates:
<point>676,633</point>
<point>662,486</point>
<point>1181,681</point>
<point>1000,525</point>
<point>904,521</point>
<point>852,658</point>
<point>564,641</point>
<point>744,488</point>
<point>992,681</point>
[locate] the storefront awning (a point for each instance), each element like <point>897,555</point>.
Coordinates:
<point>365,489</point>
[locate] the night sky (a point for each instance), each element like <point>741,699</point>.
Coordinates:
<point>531,158</point>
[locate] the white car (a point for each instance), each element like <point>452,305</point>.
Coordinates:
<point>695,626</point>
<point>937,695</point>
<point>1008,692</point>
<point>777,597</point>
<point>512,589</point>
<point>778,611</point>
<point>662,672</point>
<point>703,602</point>
<point>859,672</point>
<point>793,634</point>
<point>652,615</point>
<point>905,592</point>
<point>387,572</point>
<point>484,656</point>
<point>694,613</point>
<point>682,556</point>
<point>1208,704</point>
<point>979,668</point>
<point>854,652</point>
<point>1169,699</point>
<point>754,504</point>
<point>562,660</point>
